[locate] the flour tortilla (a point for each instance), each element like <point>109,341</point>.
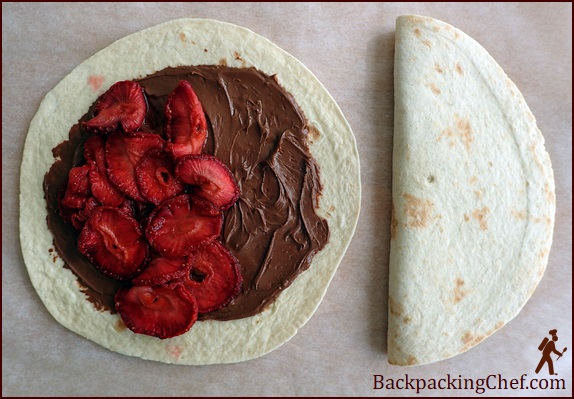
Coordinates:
<point>473,196</point>
<point>177,43</point>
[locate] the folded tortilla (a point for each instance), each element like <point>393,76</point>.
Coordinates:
<point>177,43</point>
<point>473,196</point>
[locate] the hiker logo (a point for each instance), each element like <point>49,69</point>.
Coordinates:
<point>548,347</point>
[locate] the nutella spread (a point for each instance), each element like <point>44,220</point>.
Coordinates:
<point>259,132</point>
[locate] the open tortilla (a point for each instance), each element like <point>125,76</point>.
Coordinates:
<point>177,43</point>
<point>473,196</point>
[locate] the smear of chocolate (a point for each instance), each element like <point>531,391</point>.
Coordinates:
<point>255,128</point>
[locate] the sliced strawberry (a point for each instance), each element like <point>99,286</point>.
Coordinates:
<point>78,188</point>
<point>162,270</point>
<point>155,177</point>
<point>101,187</point>
<point>214,277</point>
<point>185,123</point>
<point>213,179</point>
<point>79,218</point>
<point>123,152</point>
<point>127,208</point>
<point>181,224</point>
<point>157,311</point>
<point>113,242</point>
<point>122,107</point>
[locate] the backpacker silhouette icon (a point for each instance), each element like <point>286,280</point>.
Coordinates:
<point>548,347</point>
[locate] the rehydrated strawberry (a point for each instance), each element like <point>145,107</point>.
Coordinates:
<point>77,189</point>
<point>122,107</point>
<point>78,219</point>
<point>123,152</point>
<point>157,311</point>
<point>185,123</point>
<point>155,176</point>
<point>113,242</point>
<point>101,187</point>
<point>162,270</point>
<point>214,277</point>
<point>212,179</point>
<point>181,224</point>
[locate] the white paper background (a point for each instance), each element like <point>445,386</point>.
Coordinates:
<point>349,47</point>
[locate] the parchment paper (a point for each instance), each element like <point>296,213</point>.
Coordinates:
<point>349,47</point>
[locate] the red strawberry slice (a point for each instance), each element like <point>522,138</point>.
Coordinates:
<point>122,107</point>
<point>185,123</point>
<point>101,187</point>
<point>157,311</point>
<point>213,179</point>
<point>78,188</point>
<point>155,176</point>
<point>123,152</point>
<point>181,224</point>
<point>113,242</point>
<point>214,278</point>
<point>162,270</point>
<point>79,218</point>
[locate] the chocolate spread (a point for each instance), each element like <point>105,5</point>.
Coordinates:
<point>259,132</point>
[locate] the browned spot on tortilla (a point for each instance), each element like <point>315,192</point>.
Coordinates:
<point>427,43</point>
<point>466,218</point>
<point>458,69</point>
<point>417,32</point>
<point>182,37</point>
<point>468,339</point>
<point>532,147</point>
<point>411,360</point>
<point>434,89</point>
<point>395,308</point>
<point>461,131</point>
<point>237,56</point>
<point>436,28</point>
<point>438,68</point>
<point>120,326</point>
<point>407,320</point>
<point>550,196</point>
<point>417,210</point>
<point>543,253</point>
<point>223,62</point>
<point>480,216</point>
<point>548,221</point>
<point>498,325</point>
<point>520,215</point>
<point>465,132</point>
<point>478,194</point>
<point>50,250</point>
<point>472,179</point>
<point>394,222</point>
<point>421,20</point>
<point>330,211</point>
<point>456,35</point>
<point>541,272</point>
<point>205,50</point>
<point>459,293</point>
